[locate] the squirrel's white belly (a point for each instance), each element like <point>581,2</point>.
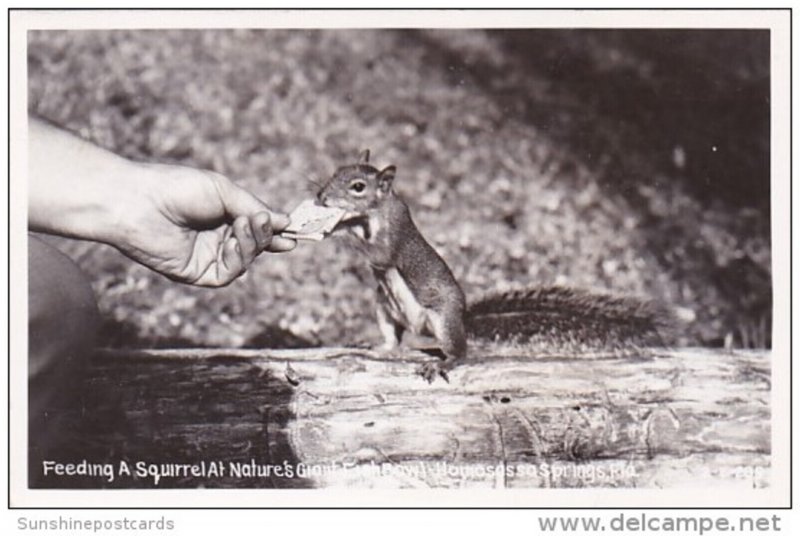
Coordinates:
<point>404,306</point>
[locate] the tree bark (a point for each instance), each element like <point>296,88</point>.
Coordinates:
<point>352,417</point>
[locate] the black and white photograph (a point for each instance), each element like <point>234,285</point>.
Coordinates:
<point>484,252</point>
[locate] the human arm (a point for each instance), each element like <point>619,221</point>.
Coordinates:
<point>191,225</point>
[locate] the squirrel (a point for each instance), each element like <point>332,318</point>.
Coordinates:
<point>418,292</point>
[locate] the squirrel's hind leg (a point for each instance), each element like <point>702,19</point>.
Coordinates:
<point>390,329</point>
<point>451,336</point>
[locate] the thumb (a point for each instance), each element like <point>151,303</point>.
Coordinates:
<point>240,202</point>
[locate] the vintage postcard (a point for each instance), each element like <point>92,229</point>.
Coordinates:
<point>400,258</point>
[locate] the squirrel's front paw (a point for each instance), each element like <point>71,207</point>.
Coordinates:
<point>429,371</point>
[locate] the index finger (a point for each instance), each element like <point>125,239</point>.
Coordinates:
<point>267,238</point>
<point>240,202</point>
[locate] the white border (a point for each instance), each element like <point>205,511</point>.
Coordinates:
<point>777,21</point>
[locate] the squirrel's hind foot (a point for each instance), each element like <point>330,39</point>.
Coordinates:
<point>429,371</point>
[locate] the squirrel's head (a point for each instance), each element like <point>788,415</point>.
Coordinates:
<point>357,188</point>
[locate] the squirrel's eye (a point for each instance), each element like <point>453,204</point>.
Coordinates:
<point>358,186</point>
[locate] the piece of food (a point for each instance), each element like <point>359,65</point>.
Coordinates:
<point>310,221</point>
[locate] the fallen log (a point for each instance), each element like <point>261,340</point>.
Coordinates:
<point>349,417</point>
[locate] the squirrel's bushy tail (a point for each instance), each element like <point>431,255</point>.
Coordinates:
<point>557,319</point>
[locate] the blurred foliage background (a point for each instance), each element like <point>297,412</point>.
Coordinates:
<point>633,162</point>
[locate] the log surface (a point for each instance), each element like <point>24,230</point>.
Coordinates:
<point>348,417</point>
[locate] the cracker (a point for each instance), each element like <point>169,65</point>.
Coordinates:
<point>310,221</point>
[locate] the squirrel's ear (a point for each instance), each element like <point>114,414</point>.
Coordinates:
<point>385,178</point>
<point>363,158</point>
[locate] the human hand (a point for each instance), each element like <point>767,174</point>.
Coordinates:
<point>196,226</point>
<point>191,225</point>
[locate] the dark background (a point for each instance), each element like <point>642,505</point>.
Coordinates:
<point>633,161</point>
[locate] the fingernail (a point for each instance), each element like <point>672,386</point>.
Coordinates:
<point>238,248</point>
